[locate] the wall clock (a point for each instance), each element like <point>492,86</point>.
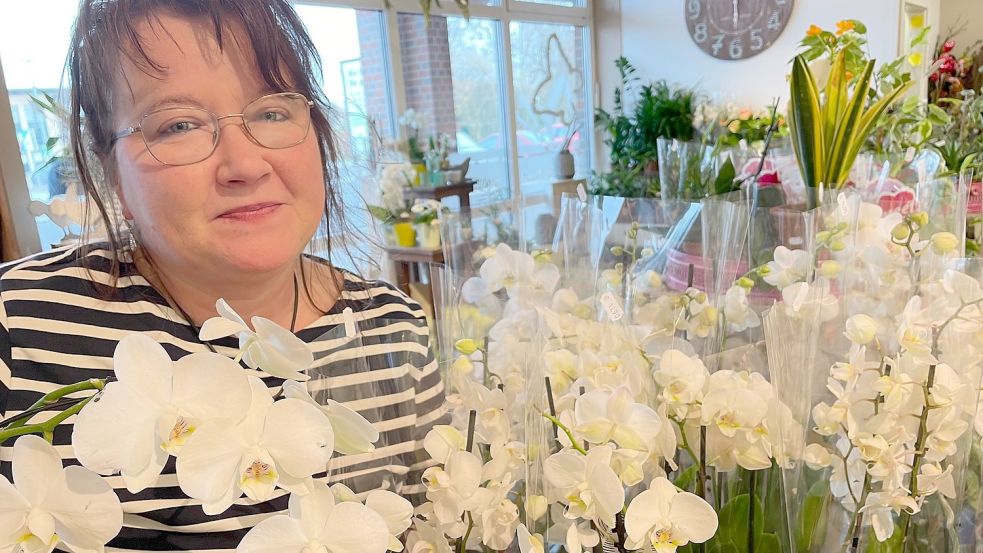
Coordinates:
<point>736,29</point>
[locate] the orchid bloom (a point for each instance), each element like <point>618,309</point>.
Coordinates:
<point>153,408</point>
<point>454,488</point>
<point>270,348</point>
<point>528,543</point>
<point>789,266</point>
<point>352,433</point>
<point>667,518</point>
<point>279,444</point>
<point>603,417</point>
<point>48,504</point>
<point>315,522</point>
<point>587,484</point>
<point>395,510</point>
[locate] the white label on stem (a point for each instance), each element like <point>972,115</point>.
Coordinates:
<point>611,307</point>
<point>581,193</point>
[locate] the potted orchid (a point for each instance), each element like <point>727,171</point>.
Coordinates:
<point>425,215</point>
<point>249,444</point>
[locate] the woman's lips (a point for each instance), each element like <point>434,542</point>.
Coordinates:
<point>250,212</point>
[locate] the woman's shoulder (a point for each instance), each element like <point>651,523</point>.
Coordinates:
<point>81,269</point>
<point>376,298</point>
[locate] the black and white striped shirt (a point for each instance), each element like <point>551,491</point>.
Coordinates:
<point>57,329</point>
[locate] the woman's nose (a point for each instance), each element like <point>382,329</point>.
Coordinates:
<point>240,159</point>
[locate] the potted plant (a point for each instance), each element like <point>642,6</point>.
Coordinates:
<point>425,213</point>
<point>391,210</point>
<point>831,116</point>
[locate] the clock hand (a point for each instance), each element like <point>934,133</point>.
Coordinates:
<point>735,13</point>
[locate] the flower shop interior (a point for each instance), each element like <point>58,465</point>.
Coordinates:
<point>699,275</point>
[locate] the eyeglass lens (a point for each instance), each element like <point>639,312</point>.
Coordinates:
<point>179,136</point>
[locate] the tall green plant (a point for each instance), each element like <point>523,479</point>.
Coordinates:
<point>828,129</point>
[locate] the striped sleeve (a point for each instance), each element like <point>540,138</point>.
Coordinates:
<point>5,357</point>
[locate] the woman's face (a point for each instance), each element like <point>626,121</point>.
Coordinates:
<point>244,209</point>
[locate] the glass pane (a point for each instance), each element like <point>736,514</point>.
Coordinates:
<point>352,47</point>
<point>451,71</point>
<point>35,71</point>
<point>564,3</point>
<point>549,73</point>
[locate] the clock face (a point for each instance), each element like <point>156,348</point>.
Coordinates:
<point>736,29</point>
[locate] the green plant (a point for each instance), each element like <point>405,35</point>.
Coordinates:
<point>960,140</point>
<point>660,110</point>
<point>828,129</point>
<point>911,124</point>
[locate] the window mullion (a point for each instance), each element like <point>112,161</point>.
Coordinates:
<point>508,89</point>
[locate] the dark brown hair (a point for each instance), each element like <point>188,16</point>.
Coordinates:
<point>105,34</point>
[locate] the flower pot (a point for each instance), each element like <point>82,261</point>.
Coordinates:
<point>405,234</point>
<point>428,235</point>
<point>563,165</point>
<point>421,170</point>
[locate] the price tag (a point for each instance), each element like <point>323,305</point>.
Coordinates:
<point>611,307</point>
<point>581,192</point>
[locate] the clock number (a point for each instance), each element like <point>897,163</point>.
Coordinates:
<point>774,23</point>
<point>735,50</point>
<point>693,9</point>
<point>700,33</point>
<point>718,43</point>
<point>757,43</point>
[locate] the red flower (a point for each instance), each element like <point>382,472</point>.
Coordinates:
<point>948,46</point>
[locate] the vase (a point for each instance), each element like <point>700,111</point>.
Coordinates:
<point>428,236</point>
<point>563,165</point>
<point>421,170</point>
<point>405,234</point>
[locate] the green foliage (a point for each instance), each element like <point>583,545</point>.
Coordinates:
<point>911,124</point>
<point>382,214</point>
<point>960,140</point>
<point>732,534</point>
<point>828,129</point>
<point>631,134</point>
<point>812,518</point>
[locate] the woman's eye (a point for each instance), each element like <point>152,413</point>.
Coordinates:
<point>179,127</point>
<point>273,116</point>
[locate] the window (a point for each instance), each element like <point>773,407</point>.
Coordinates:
<point>33,72</point>
<point>549,76</point>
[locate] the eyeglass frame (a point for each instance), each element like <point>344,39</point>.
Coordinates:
<point>128,131</point>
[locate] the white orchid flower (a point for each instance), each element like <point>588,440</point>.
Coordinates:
<point>454,488</point>
<point>352,433</point>
<point>667,518</point>
<point>604,417</point>
<point>881,508</point>
<point>48,504</point>
<point>580,535</point>
<point>789,266</point>
<point>682,379</point>
<point>498,524</point>
<point>153,408</point>
<point>586,483</point>
<point>395,510</point>
<point>528,543</point>
<point>270,348</point>
<point>315,522</point>
<point>442,440</point>
<point>737,311</point>
<point>807,301</point>
<point>279,444</point>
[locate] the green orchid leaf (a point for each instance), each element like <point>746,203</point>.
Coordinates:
<point>805,122</point>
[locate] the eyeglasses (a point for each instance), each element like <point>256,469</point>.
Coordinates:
<point>182,136</point>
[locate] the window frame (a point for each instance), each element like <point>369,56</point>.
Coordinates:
<point>15,179</point>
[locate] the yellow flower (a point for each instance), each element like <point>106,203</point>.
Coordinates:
<point>844,26</point>
<point>915,59</point>
<point>814,30</point>
<point>917,21</point>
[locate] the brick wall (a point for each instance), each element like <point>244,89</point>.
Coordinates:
<point>427,72</point>
<point>374,81</point>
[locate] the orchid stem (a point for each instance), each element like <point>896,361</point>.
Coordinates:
<point>552,405</point>
<point>47,427</point>
<point>50,398</point>
<point>561,426</point>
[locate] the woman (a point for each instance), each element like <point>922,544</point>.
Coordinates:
<point>205,120</point>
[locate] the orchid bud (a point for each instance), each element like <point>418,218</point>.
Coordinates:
<point>944,242</point>
<point>920,218</point>
<point>536,506</point>
<point>467,346</point>
<point>861,329</point>
<point>901,232</point>
<point>654,280</point>
<point>830,268</point>
<point>837,246</point>
<point>745,282</point>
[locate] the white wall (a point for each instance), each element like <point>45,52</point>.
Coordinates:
<point>967,11</point>
<point>656,41</point>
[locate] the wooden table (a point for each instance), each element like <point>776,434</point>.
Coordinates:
<point>461,190</point>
